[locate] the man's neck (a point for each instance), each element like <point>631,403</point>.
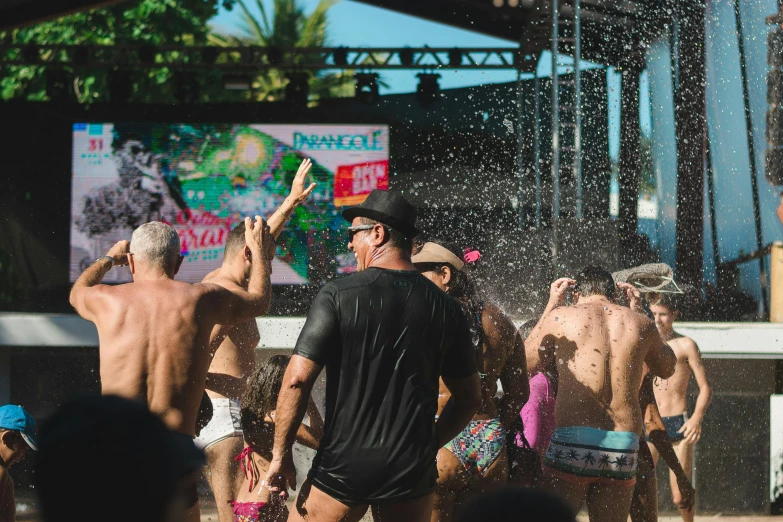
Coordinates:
<point>667,335</point>
<point>152,275</point>
<point>233,273</point>
<point>391,259</point>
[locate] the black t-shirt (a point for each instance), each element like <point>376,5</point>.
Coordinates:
<point>385,337</point>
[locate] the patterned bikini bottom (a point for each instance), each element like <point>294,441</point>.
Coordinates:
<point>479,445</point>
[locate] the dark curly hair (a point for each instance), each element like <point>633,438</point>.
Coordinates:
<point>260,398</point>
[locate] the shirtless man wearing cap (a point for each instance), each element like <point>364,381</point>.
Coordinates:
<point>154,332</point>
<point>234,359</point>
<point>600,348</point>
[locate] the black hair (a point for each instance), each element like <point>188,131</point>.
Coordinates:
<point>461,287</point>
<point>594,280</point>
<point>396,238</point>
<point>260,398</point>
<point>235,240</point>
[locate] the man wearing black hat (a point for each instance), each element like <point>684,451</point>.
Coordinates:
<point>385,335</point>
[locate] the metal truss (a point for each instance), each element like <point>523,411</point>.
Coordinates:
<point>249,58</point>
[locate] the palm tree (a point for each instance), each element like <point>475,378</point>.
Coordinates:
<point>588,458</point>
<point>558,454</point>
<point>287,27</point>
<point>572,456</point>
<point>621,461</point>
<point>604,460</point>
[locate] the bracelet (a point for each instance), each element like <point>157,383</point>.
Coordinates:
<point>105,257</point>
<point>284,214</point>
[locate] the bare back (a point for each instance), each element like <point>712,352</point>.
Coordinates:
<point>600,350</point>
<point>154,346</point>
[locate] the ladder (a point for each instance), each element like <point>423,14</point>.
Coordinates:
<point>566,110</point>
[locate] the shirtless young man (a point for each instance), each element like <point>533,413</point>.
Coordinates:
<point>234,359</point>
<point>154,332</point>
<point>670,394</point>
<point>601,348</point>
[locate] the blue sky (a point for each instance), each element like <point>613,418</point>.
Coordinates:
<point>354,24</point>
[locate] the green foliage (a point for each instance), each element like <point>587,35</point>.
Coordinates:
<point>288,26</point>
<point>153,22</point>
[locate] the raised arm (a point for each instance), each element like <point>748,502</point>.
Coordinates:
<point>298,194</point>
<point>692,427</point>
<point>82,293</point>
<point>236,305</point>
<point>539,347</point>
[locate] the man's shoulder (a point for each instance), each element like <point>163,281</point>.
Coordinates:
<point>682,343</point>
<point>353,281</point>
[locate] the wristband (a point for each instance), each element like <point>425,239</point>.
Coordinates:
<point>105,257</point>
<point>284,214</point>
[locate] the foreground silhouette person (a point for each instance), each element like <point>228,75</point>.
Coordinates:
<point>518,504</point>
<point>234,348</point>
<point>385,335</point>
<point>476,461</point>
<point>97,449</point>
<point>601,348</point>
<point>154,332</point>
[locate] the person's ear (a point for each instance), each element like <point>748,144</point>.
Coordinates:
<point>576,296</point>
<point>379,235</point>
<point>446,274</point>
<point>247,254</point>
<point>180,259</point>
<point>675,314</point>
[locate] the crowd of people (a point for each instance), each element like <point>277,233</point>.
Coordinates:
<point>436,405</point>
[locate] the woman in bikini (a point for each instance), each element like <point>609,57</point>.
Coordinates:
<point>254,502</point>
<point>475,461</point>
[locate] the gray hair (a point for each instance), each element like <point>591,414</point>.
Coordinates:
<point>156,243</point>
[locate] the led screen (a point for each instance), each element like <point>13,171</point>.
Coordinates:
<point>204,178</point>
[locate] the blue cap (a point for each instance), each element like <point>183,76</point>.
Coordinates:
<point>18,419</point>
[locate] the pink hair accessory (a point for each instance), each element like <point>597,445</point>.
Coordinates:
<point>470,255</point>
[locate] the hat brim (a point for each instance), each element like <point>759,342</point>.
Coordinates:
<point>349,214</point>
<point>30,441</point>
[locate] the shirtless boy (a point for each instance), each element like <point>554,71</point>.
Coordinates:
<point>234,359</point>
<point>670,394</point>
<point>154,332</point>
<point>601,348</point>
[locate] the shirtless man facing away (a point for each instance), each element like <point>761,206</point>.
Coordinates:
<point>234,359</point>
<point>154,332</point>
<point>670,394</point>
<point>601,348</point>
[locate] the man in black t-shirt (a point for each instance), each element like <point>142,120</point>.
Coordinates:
<point>385,335</point>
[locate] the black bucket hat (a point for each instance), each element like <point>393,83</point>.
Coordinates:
<point>388,208</point>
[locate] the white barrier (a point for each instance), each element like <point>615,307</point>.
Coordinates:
<point>716,340</point>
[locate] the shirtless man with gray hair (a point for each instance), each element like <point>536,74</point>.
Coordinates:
<point>154,333</point>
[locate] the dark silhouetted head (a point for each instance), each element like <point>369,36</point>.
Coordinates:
<point>594,280</point>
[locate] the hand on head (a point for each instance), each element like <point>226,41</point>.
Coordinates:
<point>119,253</point>
<point>258,237</point>
<point>558,289</point>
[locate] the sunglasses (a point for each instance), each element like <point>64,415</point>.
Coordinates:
<point>353,230</point>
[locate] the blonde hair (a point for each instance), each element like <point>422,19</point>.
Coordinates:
<point>156,243</point>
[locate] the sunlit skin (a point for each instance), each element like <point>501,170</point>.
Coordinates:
<point>503,357</point>
<point>234,348</point>
<point>12,449</point>
<point>600,348</point>
<point>152,355</point>
<point>671,393</point>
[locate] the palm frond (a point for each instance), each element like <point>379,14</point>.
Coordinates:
<point>314,28</point>
<point>250,26</point>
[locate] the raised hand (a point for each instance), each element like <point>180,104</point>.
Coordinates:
<point>256,234</point>
<point>119,253</point>
<point>557,291</point>
<point>632,296</point>
<point>298,191</point>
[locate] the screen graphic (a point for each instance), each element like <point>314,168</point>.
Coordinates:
<point>202,179</point>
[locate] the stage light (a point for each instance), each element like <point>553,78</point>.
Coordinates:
<point>428,91</point>
<point>367,88</point>
<point>186,88</point>
<point>274,56</point>
<point>57,85</point>
<point>236,82</point>
<point>340,56</point>
<point>455,58</point>
<point>298,88</point>
<point>406,57</point>
<point>120,86</point>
